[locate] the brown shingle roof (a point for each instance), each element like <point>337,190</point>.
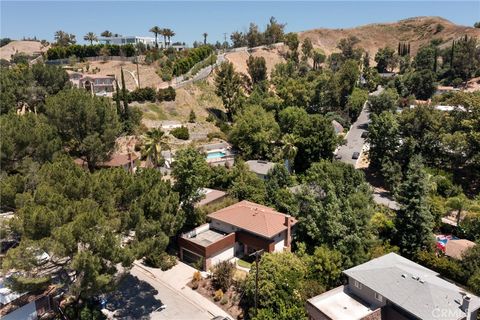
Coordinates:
<point>252,217</point>
<point>118,160</point>
<point>455,247</point>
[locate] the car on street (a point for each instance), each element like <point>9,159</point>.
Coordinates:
<point>355,155</point>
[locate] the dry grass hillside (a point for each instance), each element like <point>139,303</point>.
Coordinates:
<point>27,47</point>
<point>417,31</point>
<point>239,59</point>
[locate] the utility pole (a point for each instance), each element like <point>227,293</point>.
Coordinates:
<point>257,254</point>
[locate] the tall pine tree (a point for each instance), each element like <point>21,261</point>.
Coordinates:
<point>414,222</point>
<point>126,114</point>
<point>117,100</point>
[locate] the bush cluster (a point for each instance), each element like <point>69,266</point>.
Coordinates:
<point>167,94</point>
<point>194,56</point>
<point>181,133</point>
<point>85,51</point>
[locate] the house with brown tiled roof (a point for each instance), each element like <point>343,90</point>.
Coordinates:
<point>236,231</point>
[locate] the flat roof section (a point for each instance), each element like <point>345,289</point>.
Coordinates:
<point>339,304</point>
<point>207,237</point>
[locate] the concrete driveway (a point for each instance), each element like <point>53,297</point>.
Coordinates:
<point>164,288</point>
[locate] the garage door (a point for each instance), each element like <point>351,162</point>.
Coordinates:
<point>223,256</point>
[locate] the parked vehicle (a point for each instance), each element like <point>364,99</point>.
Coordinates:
<point>355,155</point>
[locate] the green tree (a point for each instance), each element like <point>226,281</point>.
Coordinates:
<point>205,35</point>
<point>347,47</point>
<point>386,59</point>
<point>190,171</point>
<point>90,37</point>
<point>106,34</point>
<point>253,37</point>
<point>421,83</point>
<point>355,103</point>
<point>307,48</point>
<point>154,141</point>
<point>281,278</point>
<point>254,133</point>
<point>274,31</point>
<point>336,208</point>
<point>64,39</point>
<point>316,139</point>
<point>87,126</point>
<point>347,76</point>
<point>318,58</point>
<point>25,136</point>
<point>414,221</point>
<point>228,87</point>
<point>325,266</point>
<point>291,118</point>
<point>156,30</point>
<point>383,138</point>
<point>425,58</point>
<point>385,101</point>
<point>257,69</point>
<point>246,185</point>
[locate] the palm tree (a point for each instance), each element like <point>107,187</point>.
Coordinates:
<point>169,33</point>
<point>106,34</point>
<point>90,37</point>
<point>289,150</point>
<point>205,35</point>
<point>154,142</point>
<point>156,30</point>
<point>164,34</point>
<point>460,203</point>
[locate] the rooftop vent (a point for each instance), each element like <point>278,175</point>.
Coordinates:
<point>415,277</point>
<point>404,276</point>
<point>421,281</point>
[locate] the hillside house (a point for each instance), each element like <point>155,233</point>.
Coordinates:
<point>260,167</point>
<point>236,231</point>
<point>394,288</point>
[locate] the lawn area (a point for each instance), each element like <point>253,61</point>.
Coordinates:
<point>244,264</point>
<point>153,111</point>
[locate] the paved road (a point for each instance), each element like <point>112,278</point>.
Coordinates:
<point>355,143</point>
<point>202,74</point>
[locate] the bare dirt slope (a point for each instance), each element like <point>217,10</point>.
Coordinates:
<point>27,47</point>
<point>148,75</point>
<point>239,59</point>
<point>417,31</point>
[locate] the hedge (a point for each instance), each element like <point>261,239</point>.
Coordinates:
<point>194,56</point>
<point>85,51</point>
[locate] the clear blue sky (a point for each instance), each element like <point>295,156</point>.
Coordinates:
<point>190,19</point>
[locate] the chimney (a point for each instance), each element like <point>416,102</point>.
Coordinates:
<point>466,305</point>
<point>288,237</point>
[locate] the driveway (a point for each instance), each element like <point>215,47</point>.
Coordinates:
<point>147,289</point>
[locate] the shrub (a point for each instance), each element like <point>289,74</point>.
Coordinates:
<point>163,261</point>
<point>224,300</point>
<point>192,117</point>
<point>143,94</point>
<point>218,295</point>
<point>167,94</point>
<point>194,285</point>
<point>181,133</point>
<point>216,134</point>
<point>222,275</point>
<point>197,276</point>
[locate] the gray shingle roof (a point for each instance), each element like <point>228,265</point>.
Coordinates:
<point>395,278</point>
<point>260,166</point>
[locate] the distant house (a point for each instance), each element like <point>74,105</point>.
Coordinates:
<point>260,167</point>
<point>147,41</point>
<point>26,306</point>
<point>98,84</point>
<point>211,196</point>
<point>453,247</point>
<point>236,231</point>
<point>123,40</point>
<point>117,160</point>
<point>393,287</point>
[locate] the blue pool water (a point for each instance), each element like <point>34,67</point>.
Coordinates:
<point>216,154</point>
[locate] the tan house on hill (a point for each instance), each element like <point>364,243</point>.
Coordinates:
<point>103,85</point>
<point>236,231</point>
<point>118,160</point>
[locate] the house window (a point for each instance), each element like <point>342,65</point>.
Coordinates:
<point>379,297</point>
<point>358,284</point>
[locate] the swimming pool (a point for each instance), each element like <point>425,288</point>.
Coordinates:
<point>215,154</point>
